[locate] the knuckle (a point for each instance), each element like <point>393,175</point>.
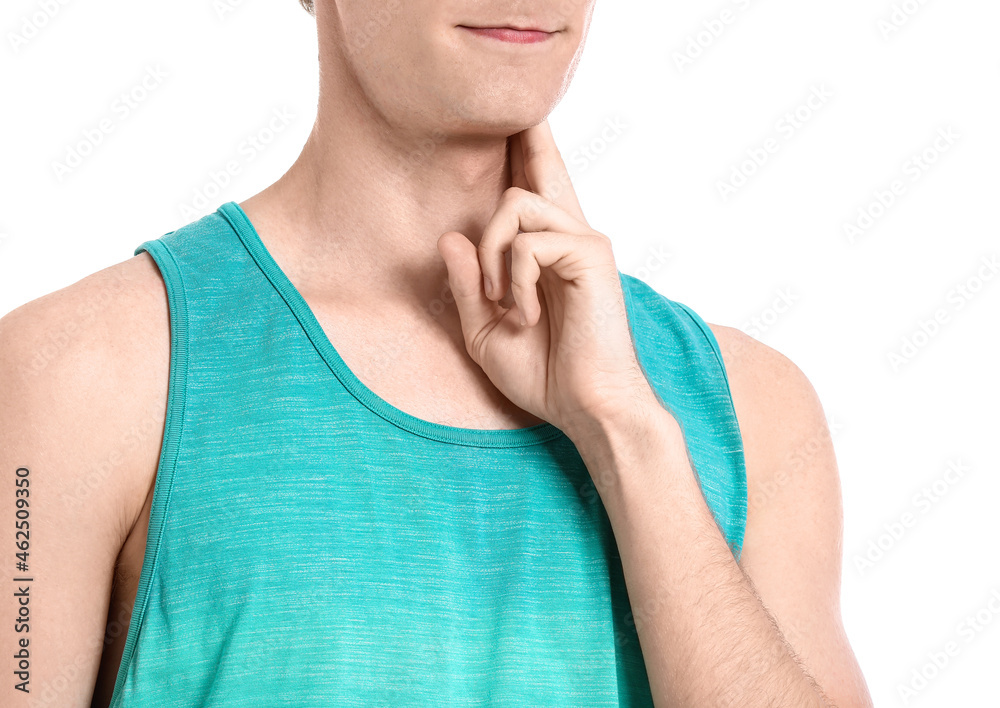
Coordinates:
<point>512,195</point>
<point>602,238</point>
<point>522,242</point>
<point>523,201</point>
<point>534,152</point>
<point>604,244</point>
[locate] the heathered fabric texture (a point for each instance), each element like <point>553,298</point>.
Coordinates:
<point>312,545</point>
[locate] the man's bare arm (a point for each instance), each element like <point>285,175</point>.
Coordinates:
<point>708,637</point>
<point>793,546</point>
<point>70,394</point>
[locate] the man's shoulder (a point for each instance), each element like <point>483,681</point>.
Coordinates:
<point>763,376</point>
<point>87,368</point>
<point>103,314</point>
<point>780,415</point>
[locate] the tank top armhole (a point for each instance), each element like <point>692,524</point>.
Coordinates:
<point>173,428</point>
<point>740,479</point>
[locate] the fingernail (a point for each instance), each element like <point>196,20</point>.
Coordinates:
<point>521,315</point>
<point>488,284</point>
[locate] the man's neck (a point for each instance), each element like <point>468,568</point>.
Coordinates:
<point>364,205</point>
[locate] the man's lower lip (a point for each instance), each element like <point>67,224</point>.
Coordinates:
<point>506,34</point>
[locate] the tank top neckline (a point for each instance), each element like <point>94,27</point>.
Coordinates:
<point>474,437</point>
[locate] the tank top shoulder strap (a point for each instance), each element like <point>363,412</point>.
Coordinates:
<point>206,249</point>
<point>683,362</point>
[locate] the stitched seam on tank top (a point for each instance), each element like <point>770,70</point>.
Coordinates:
<point>169,452</point>
<point>236,223</point>
<point>741,483</point>
<point>710,336</point>
<point>629,309</point>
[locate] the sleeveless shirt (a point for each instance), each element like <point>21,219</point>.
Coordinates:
<point>311,545</point>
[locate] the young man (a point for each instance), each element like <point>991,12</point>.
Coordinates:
<point>396,430</point>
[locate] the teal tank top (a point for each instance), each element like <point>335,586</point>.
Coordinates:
<point>312,545</point>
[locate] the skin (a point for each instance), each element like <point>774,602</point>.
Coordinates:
<point>707,635</point>
<point>405,188</point>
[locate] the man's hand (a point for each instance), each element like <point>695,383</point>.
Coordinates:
<point>563,352</point>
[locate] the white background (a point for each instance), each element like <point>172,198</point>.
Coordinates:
<point>653,188</point>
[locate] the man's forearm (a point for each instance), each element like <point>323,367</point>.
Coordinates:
<point>705,636</point>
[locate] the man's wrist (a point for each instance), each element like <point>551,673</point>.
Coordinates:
<point>615,443</point>
<point>617,419</point>
<point>624,411</point>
